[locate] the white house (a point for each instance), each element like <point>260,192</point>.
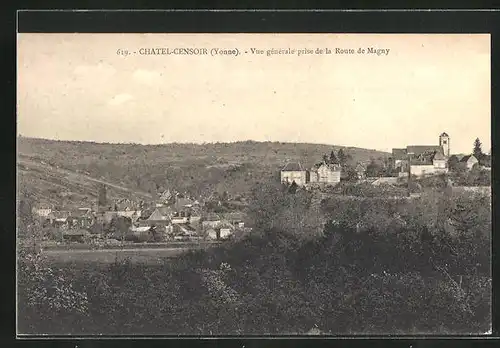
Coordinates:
<point>469,161</point>
<point>42,210</point>
<point>325,173</point>
<point>211,221</point>
<point>225,232</point>
<point>293,172</point>
<point>211,234</point>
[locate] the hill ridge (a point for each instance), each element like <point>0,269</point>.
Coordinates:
<point>198,170</point>
<point>236,142</point>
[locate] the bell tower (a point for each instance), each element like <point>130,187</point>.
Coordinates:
<point>444,142</point>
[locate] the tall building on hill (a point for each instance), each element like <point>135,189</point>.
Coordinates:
<point>321,173</point>
<point>444,142</point>
<point>423,159</point>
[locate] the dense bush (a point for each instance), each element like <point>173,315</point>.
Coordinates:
<point>475,177</point>
<point>369,190</point>
<point>434,181</point>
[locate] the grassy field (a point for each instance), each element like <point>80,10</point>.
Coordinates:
<point>51,245</point>
<point>148,256</point>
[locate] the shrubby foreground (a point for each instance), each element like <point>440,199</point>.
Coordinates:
<point>377,266</point>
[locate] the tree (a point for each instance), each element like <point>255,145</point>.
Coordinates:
<point>453,163</point>
<point>119,227</point>
<point>477,151</point>
<point>341,156</point>
<point>333,158</point>
<point>350,173</point>
<point>102,196</point>
<point>325,158</point>
<point>265,202</point>
<point>373,169</point>
<point>155,234</point>
<point>293,187</point>
<point>388,167</point>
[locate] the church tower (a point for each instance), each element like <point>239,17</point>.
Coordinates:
<point>444,142</point>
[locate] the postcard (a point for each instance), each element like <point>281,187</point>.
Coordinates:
<point>253,184</point>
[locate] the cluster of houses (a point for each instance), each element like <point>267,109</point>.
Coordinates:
<point>422,160</point>
<point>322,173</point>
<point>417,160</point>
<point>172,216</point>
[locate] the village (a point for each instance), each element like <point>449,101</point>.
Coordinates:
<point>175,216</point>
<point>172,217</point>
<point>414,161</point>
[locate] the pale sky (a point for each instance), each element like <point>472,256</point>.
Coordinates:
<point>76,87</point>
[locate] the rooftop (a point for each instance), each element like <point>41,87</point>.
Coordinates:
<point>421,149</point>
<point>466,158</point>
<point>212,217</point>
<point>332,166</point>
<point>292,167</point>
<point>399,154</point>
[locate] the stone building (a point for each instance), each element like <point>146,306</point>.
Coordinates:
<point>422,160</point>
<point>294,172</point>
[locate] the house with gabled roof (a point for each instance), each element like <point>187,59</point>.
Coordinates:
<point>59,218</point>
<point>469,161</point>
<point>42,209</point>
<point>183,230</point>
<point>325,173</point>
<point>211,221</point>
<point>237,219</point>
<point>226,229</point>
<point>429,163</point>
<point>294,172</point>
<point>211,233</point>
<point>160,216</point>
<point>82,217</point>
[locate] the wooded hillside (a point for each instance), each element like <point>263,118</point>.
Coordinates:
<point>197,169</point>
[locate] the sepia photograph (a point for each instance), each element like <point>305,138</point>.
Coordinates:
<point>253,184</point>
